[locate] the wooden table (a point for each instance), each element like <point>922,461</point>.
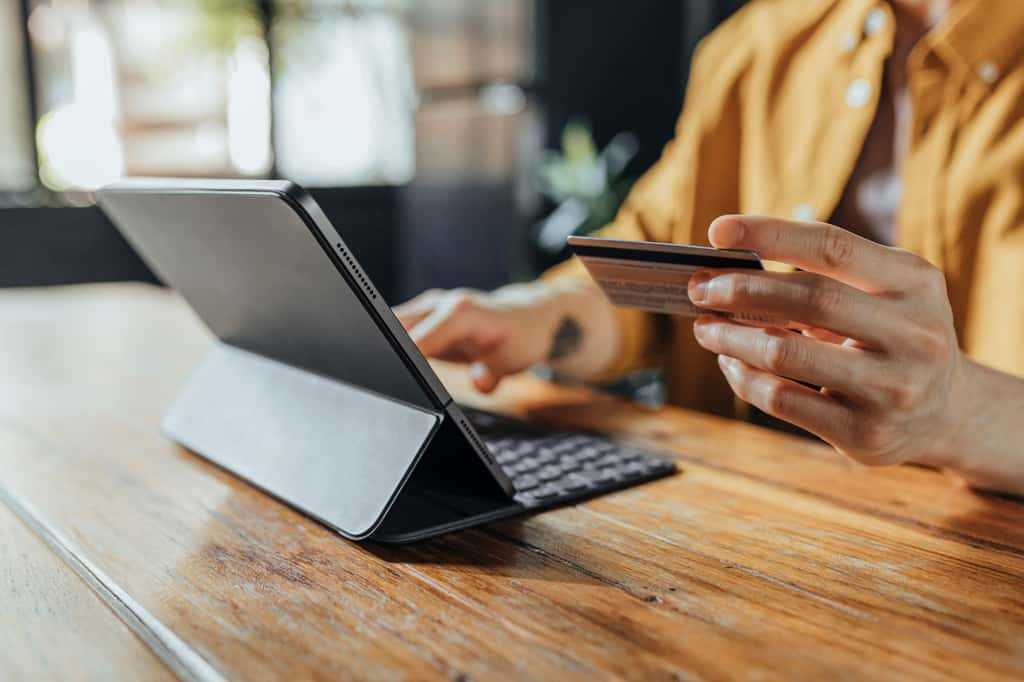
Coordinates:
<point>124,556</point>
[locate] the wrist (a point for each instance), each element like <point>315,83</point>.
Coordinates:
<point>985,449</point>
<point>951,447</point>
<point>542,305</point>
<point>974,446</point>
<point>581,329</point>
<point>554,301</point>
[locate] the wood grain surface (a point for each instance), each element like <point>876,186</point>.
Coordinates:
<point>52,627</point>
<point>767,557</point>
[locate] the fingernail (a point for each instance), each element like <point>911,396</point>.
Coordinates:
<point>698,288</point>
<point>698,331</point>
<point>701,327</point>
<point>727,232</point>
<point>482,377</point>
<point>726,363</point>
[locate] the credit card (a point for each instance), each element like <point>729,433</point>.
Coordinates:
<point>653,276</point>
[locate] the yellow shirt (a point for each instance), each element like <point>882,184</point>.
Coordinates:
<point>780,100</point>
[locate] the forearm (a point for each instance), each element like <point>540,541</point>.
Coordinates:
<point>988,448</point>
<point>584,334</point>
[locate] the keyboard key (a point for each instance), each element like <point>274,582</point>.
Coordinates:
<point>525,482</point>
<point>549,473</point>
<point>569,463</point>
<point>546,456</point>
<point>545,493</point>
<point>594,476</point>
<point>575,484</point>
<point>634,469</point>
<point>520,468</point>
<point>632,455</point>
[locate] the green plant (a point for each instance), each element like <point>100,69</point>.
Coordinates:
<point>587,186</point>
<point>224,22</point>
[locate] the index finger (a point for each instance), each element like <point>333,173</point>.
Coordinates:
<point>816,247</point>
<point>450,327</point>
<point>411,312</point>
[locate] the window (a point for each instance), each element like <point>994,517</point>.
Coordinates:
<point>17,172</point>
<point>150,87</point>
<point>474,67</point>
<point>377,91</point>
<point>326,92</point>
<point>344,95</point>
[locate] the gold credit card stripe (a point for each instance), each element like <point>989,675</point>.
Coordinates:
<point>604,268</point>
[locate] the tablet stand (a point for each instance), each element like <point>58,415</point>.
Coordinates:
<point>336,452</point>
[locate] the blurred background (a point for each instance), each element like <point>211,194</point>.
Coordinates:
<point>428,130</point>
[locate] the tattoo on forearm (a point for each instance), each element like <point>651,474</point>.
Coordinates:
<point>567,340</point>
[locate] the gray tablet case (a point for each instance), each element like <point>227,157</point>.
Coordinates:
<point>312,392</point>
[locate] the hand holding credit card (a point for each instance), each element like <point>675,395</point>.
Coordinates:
<point>653,276</point>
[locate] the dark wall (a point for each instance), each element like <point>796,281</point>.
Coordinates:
<point>456,237</point>
<point>622,65</point>
<point>407,239</point>
<point>617,64</point>
<point>44,246</point>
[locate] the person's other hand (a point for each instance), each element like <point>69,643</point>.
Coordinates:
<point>878,338</point>
<point>497,333</point>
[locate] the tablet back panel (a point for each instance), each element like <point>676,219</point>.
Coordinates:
<point>246,263</point>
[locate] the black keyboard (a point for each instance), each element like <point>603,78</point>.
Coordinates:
<point>550,466</point>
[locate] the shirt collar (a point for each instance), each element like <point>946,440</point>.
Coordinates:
<point>980,34</point>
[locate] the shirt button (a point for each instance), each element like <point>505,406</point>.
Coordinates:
<point>803,212</point>
<point>875,21</point>
<point>847,42</point>
<point>988,72</point>
<point>858,93</point>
